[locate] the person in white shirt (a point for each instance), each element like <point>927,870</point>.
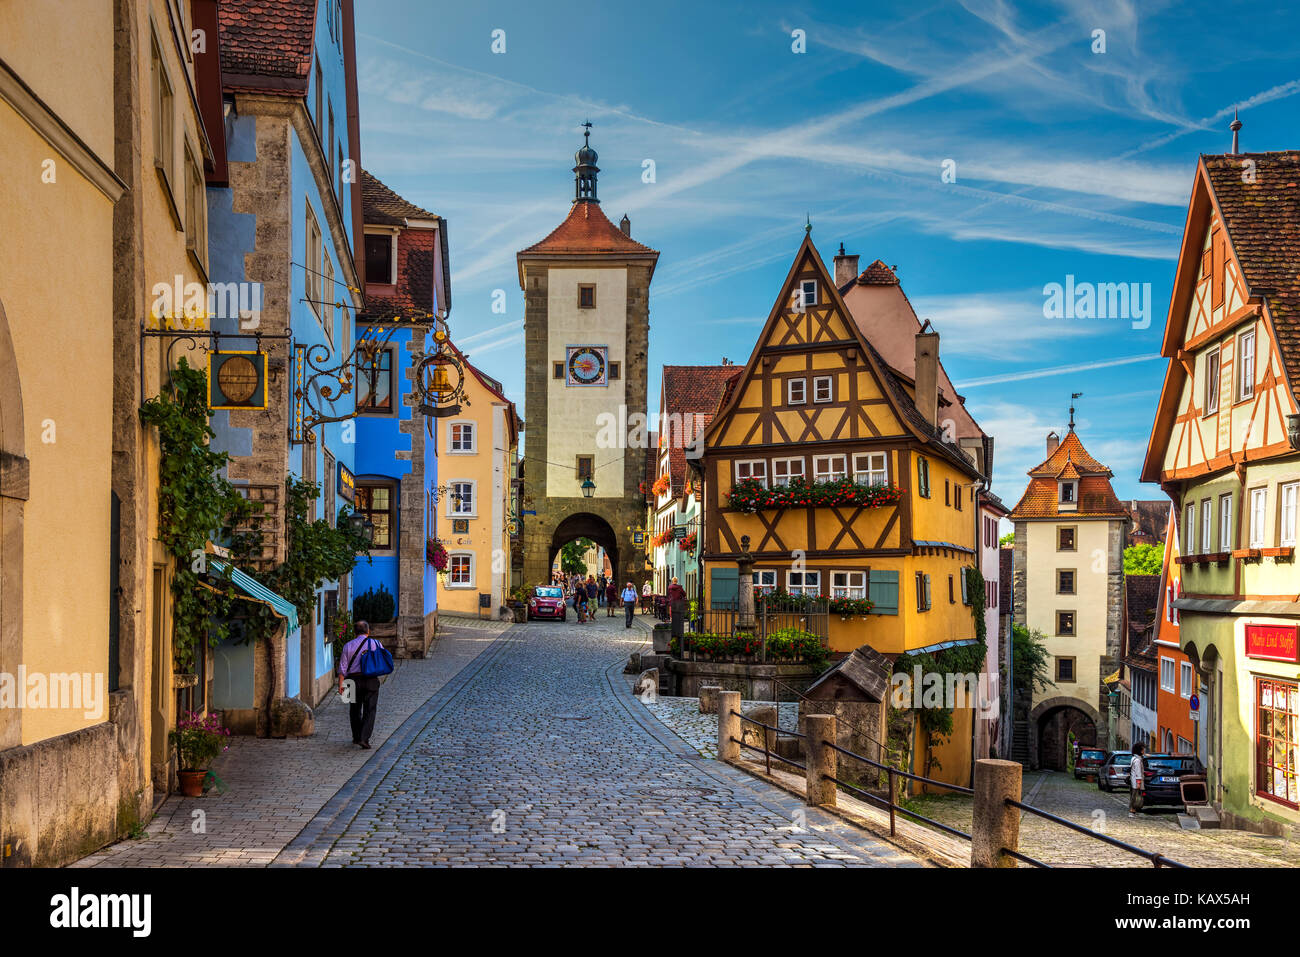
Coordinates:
<point>1136,780</point>
<point>629,603</point>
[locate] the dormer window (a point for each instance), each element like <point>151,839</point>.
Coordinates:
<point>381,262</point>
<point>1069,492</point>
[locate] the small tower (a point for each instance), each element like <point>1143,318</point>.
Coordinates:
<point>584,173</point>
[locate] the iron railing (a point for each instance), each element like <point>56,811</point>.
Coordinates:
<point>1158,860</point>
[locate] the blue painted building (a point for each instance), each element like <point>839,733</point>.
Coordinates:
<point>407,287</point>
<point>284,223</point>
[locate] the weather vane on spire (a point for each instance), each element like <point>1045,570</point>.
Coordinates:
<point>1073,396</point>
<point>587,132</point>
<point>807,224</point>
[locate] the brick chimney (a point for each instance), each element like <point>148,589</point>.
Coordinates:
<point>846,267</point>
<point>1053,443</point>
<point>927,373</point>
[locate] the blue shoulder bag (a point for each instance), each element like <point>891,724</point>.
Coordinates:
<point>374,661</point>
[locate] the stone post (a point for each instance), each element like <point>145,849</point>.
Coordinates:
<point>729,726</point>
<point>745,588</point>
<point>994,824</point>
<point>822,762</point>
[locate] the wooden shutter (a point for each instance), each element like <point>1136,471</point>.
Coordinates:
<point>724,587</point>
<point>882,589</point>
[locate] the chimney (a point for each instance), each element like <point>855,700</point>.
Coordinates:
<point>1053,442</point>
<point>846,267</point>
<point>625,224</point>
<point>927,373</point>
<point>1235,126</point>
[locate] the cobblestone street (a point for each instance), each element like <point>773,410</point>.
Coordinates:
<point>1155,829</point>
<point>530,752</point>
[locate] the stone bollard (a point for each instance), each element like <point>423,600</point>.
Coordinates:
<point>994,824</point>
<point>752,734</point>
<point>709,698</point>
<point>822,762</point>
<point>728,725</point>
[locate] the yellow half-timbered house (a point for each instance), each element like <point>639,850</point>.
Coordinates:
<point>816,403</point>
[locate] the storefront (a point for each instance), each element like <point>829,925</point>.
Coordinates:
<point>1272,682</point>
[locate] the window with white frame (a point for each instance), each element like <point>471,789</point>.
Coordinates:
<point>1207,523</point>
<point>1258,516</point>
<point>796,391</point>
<point>1226,538</point>
<point>755,469</point>
<point>1212,382</point>
<point>871,468</point>
<point>1167,675</point>
<point>460,570</point>
<point>463,438</point>
<point>829,468</point>
<point>1189,530</point>
<point>764,581</point>
<point>848,584</point>
<point>1186,675</point>
<point>823,388</point>
<point>803,583</point>
<point>1246,365</point>
<point>1067,492</point>
<point>327,289</point>
<point>1287,529</point>
<point>785,470</point>
<point>460,498</point>
<point>808,292</point>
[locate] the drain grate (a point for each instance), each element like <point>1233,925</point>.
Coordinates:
<point>677,791</point>
<point>572,717</point>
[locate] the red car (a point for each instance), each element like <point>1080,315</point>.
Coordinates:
<point>1088,762</point>
<point>547,601</point>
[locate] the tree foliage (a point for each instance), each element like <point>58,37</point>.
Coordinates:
<point>1008,539</point>
<point>1029,662</point>
<point>571,556</point>
<point>1144,559</point>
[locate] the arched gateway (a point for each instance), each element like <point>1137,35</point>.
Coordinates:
<point>586,320</point>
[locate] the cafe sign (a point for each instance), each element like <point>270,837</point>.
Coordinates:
<point>1272,642</point>
<point>347,484</point>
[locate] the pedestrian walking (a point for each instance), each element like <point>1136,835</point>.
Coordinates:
<point>593,596</point>
<point>1137,780</point>
<point>676,606</point>
<point>645,596</point>
<point>362,662</point>
<point>580,604</point>
<point>629,603</point>
<point>611,597</point>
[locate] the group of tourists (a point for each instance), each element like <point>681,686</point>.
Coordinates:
<point>588,595</point>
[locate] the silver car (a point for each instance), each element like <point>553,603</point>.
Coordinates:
<point>1114,772</point>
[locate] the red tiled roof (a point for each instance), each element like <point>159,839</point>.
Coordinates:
<point>1263,221</point>
<point>1150,518</point>
<point>1070,452</point>
<point>385,207</point>
<point>878,274</point>
<point>1141,596</point>
<point>270,39</point>
<point>587,230</point>
<point>692,394</point>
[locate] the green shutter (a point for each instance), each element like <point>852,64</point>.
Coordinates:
<point>927,592</point>
<point>724,587</point>
<point>883,591</point>
<point>965,595</point>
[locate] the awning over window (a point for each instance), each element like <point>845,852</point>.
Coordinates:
<point>258,592</point>
<point>942,646</point>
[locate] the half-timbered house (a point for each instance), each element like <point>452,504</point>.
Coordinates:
<point>1224,448</point>
<point>815,406</point>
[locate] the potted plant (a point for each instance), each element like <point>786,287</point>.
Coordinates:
<point>518,604</point>
<point>197,740</point>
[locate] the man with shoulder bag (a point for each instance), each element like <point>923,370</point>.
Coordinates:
<point>363,662</point>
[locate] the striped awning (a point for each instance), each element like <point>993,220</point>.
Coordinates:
<point>256,591</point>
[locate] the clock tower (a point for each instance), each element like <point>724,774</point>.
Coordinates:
<point>586,319</point>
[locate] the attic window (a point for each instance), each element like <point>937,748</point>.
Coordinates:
<point>380,259</point>
<point>1069,492</point>
<point>808,292</point>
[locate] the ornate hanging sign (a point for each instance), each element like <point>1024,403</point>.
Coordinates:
<point>236,380</point>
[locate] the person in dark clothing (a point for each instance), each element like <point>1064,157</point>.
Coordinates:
<point>365,691</point>
<point>676,607</point>
<point>611,598</point>
<point>593,595</point>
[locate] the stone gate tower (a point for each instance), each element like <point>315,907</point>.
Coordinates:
<point>586,318</point>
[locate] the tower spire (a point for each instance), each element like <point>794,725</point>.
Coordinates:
<point>584,173</point>
<point>1073,396</point>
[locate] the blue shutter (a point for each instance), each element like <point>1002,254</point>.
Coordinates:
<point>724,587</point>
<point>883,591</point>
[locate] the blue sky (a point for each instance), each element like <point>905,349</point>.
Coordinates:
<point>1067,162</point>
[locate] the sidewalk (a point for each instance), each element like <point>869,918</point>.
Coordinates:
<point>274,787</point>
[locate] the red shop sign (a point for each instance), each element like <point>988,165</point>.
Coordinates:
<point>1274,642</point>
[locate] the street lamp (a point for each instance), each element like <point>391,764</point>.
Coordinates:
<point>362,527</point>
<point>588,488</point>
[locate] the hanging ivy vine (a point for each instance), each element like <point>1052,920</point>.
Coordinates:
<point>197,505</point>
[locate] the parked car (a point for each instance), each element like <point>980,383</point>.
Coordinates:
<point>1162,772</point>
<point>1114,771</point>
<point>1088,761</point>
<point>547,601</point>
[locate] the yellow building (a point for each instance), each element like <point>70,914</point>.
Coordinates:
<point>816,405</point>
<point>477,450</point>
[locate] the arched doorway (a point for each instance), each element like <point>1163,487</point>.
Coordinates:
<point>585,525</point>
<point>13,494</point>
<point>1052,721</point>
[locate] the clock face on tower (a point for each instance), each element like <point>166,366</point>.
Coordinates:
<point>586,365</point>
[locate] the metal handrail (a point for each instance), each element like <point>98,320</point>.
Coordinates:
<point>745,717</point>
<point>895,807</point>
<point>866,734</point>
<point>764,750</point>
<point>907,774</point>
<point>1159,860</point>
<point>1025,857</point>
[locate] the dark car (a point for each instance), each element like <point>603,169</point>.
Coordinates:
<point>1162,773</point>
<point>547,601</point>
<point>1088,761</point>
<point>1114,771</point>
